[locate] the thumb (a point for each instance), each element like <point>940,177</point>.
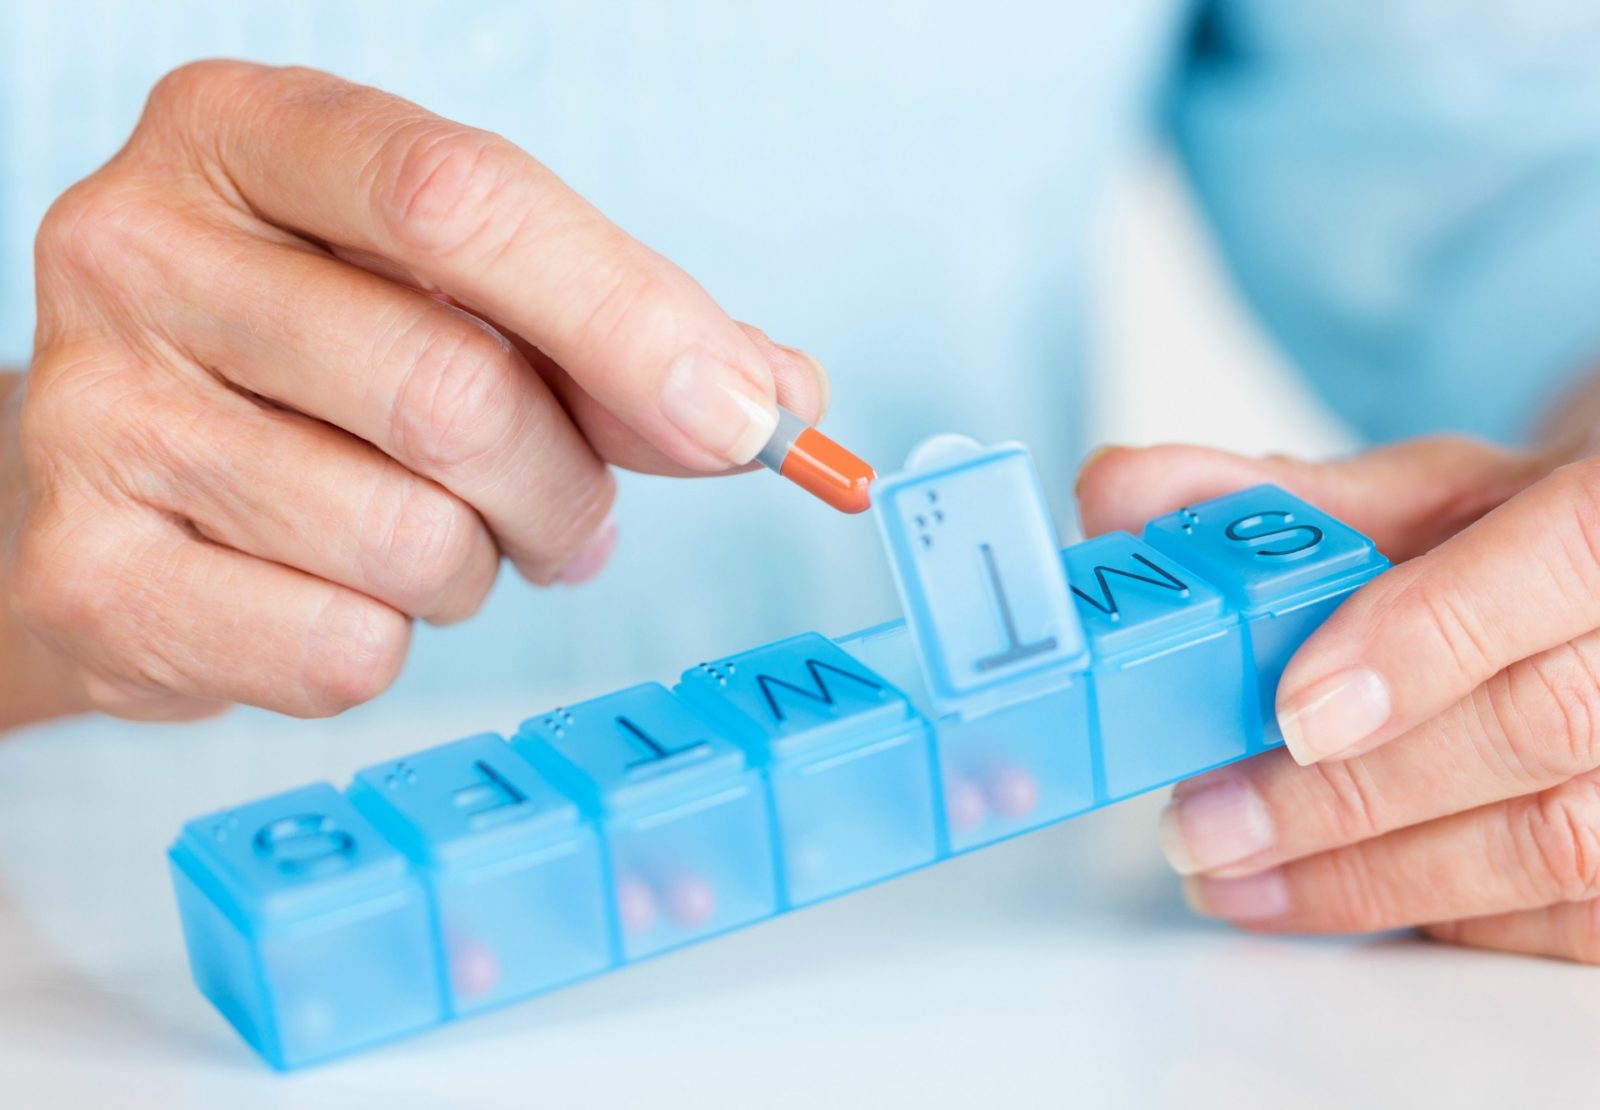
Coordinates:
<point>1407,497</point>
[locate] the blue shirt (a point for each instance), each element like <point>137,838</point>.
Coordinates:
<point>1409,198</point>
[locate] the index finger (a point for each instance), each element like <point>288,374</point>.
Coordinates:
<point>470,214</point>
<point>1522,580</point>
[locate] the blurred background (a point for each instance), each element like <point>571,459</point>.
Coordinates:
<point>1167,314</point>
<point>1061,967</point>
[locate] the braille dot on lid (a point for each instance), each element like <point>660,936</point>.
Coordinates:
<point>927,541</point>
<point>922,521</point>
<point>938,516</point>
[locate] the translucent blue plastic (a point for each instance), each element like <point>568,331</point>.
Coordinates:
<point>1281,563</point>
<point>685,820</point>
<point>305,926</point>
<point>512,869</point>
<point>1002,772</point>
<point>1154,625</point>
<point>1026,685</point>
<point>846,759</point>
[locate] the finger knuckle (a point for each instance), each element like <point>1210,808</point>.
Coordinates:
<point>438,185</point>
<point>113,220</point>
<point>59,586</point>
<point>1548,708</point>
<point>91,421</point>
<point>1354,900</point>
<point>357,647</point>
<point>458,394</point>
<point>1575,488</point>
<point>628,305</point>
<point>1352,802</point>
<point>44,422</point>
<point>1562,837</point>
<point>66,379</point>
<point>429,543</point>
<point>96,233</point>
<point>1444,616</point>
<point>198,85</point>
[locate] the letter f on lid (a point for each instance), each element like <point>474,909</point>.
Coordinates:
<point>976,560</point>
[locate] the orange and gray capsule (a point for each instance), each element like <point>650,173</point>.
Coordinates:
<point>816,464</point>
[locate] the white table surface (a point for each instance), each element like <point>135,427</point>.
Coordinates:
<point>1060,969</point>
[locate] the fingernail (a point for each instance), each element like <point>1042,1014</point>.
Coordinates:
<point>1334,715</point>
<point>718,408</point>
<point>1252,898</point>
<point>591,557</point>
<point>824,383</point>
<point>1091,458</point>
<point>1218,824</point>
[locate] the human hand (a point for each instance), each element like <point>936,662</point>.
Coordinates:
<point>309,360</point>
<point>1443,726</point>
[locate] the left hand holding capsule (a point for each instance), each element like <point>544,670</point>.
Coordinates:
<point>1443,727</point>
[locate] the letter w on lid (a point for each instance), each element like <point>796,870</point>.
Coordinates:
<point>847,760</point>
<point>795,696</point>
<point>975,556</point>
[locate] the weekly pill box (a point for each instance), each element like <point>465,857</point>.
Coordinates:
<point>1025,685</point>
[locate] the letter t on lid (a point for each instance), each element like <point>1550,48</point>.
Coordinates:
<point>976,559</point>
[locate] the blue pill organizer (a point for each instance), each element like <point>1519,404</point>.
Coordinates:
<point>1025,685</point>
